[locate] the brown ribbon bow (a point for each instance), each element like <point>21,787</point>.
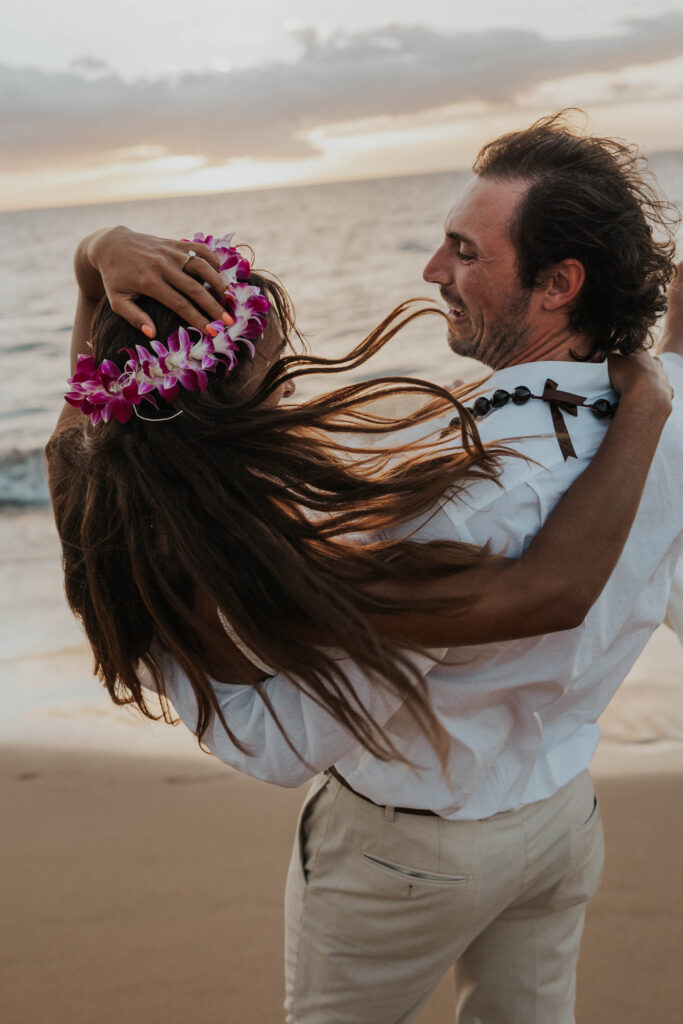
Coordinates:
<point>562,400</point>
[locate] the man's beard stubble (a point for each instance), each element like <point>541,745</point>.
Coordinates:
<point>501,340</point>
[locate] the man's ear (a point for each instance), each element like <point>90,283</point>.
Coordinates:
<point>561,284</point>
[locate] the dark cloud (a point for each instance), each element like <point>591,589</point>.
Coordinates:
<point>264,111</point>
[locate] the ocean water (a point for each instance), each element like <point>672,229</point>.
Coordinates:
<point>348,253</point>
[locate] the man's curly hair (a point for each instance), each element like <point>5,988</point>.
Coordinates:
<point>594,200</point>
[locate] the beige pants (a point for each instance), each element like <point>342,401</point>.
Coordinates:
<point>381,904</point>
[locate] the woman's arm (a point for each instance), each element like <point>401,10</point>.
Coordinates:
<point>123,264</point>
<point>560,576</point>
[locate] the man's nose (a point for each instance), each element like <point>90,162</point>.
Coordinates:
<point>436,270</point>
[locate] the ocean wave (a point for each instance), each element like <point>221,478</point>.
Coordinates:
<point>22,478</point>
<point>413,245</point>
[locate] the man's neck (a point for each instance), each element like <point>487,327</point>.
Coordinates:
<point>553,346</point>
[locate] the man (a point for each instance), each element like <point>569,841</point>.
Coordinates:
<point>548,264</point>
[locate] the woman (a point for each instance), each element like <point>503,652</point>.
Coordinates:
<point>211,530</point>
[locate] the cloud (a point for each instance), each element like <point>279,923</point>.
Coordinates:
<point>86,114</point>
<point>90,65</point>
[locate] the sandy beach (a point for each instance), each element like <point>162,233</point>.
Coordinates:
<point>150,890</point>
<point>143,881</point>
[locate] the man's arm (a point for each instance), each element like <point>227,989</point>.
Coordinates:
<point>555,579</point>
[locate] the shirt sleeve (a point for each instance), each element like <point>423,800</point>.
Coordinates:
<point>510,521</point>
<point>673,364</point>
<point>674,611</point>
<point>310,740</point>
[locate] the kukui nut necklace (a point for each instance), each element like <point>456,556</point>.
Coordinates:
<point>557,400</point>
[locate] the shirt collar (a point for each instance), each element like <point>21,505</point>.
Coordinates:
<point>569,375</point>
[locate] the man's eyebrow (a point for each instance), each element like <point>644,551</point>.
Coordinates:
<point>457,236</point>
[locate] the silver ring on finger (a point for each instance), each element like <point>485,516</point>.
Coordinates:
<point>187,259</point>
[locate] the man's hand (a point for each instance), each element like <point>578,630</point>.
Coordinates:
<point>124,264</point>
<point>672,339</point>
<point>641,377</point>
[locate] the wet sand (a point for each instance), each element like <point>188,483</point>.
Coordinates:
<point>150,890</point>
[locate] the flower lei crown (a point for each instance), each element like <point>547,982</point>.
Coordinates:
<point>104,392</point>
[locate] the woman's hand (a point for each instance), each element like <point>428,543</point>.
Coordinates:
<point>124,264</point>
<point>641,377</point>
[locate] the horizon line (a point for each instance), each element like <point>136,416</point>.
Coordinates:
<point>143,198</point>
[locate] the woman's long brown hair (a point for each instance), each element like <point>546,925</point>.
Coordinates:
<point>259,509</point>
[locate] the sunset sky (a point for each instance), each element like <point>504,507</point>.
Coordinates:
<point>154,98</point>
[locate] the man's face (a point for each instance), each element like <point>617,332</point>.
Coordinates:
<point>476,270</point>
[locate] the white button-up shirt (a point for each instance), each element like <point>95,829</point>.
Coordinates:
<point>521,715</point>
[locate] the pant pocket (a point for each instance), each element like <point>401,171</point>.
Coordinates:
<point>592,817</point>
<point>588,847</point>
<point>415,874</point>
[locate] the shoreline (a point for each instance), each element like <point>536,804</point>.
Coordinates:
<point>48,695</point>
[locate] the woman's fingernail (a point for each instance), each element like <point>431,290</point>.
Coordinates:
<point>147,331</point>
<point>227,319</point>
<point>211,331</point>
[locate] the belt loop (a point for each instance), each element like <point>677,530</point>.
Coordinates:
<point>389,814</point>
